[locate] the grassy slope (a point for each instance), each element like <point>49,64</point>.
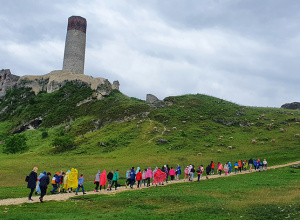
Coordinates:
<point>113,121</point>
<point>274,194</point>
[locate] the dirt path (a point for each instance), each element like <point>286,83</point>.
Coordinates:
<point>58,197</point>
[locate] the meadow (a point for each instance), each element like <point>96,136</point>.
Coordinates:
<point>274,194</point>
<point>119,132</point>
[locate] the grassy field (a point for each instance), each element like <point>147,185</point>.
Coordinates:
<point>274,194</point>
<point>119,132</point>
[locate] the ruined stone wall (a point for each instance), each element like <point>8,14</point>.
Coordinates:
<point>74,56</point>
<point>56,79</point>
<point>7,81</point>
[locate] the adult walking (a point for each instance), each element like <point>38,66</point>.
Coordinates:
<point>44,181</point>
<point>32,182</point>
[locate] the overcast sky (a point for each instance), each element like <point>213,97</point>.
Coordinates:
<point>244,51</point>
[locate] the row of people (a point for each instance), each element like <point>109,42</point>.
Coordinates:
<point>67,181</point>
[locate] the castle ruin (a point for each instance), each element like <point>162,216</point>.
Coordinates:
<point>75,45</point>
<point>72,71</point>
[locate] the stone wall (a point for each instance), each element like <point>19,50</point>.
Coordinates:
<point>56,79</point>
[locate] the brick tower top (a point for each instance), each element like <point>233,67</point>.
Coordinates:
<point>77,23</point>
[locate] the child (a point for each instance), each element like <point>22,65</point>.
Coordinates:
<point>208,169</point>
<point>54,182</point>
<point>192,171</point>
<point>109,179</point>
<point>144,176</point>
<point>240,166</point>
<point>220,168</point>
<point>172,174</point>
<point>255,164</point>
<point>261,166</point>
<point>103,179</point>
<point>229,167</point>
<point>245,165</point>
<point>97,181</point>
<point>250,163</point>
<point>226,167</point>
<point>265,163</point>
<point>178,171</point>
<point>149,175</point>
<point>186,172</point>
<point>132,177</point>
<point>80,185</point>
<point>212,165</point>
<point>128,180</point>
<point>199,173</point>
<point>65,182</point>
<point>139,177</point>
<point>115,180</point>
<point>236,166</point>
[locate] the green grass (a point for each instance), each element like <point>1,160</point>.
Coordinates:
<point>274,194</point>
<point>119,132</point>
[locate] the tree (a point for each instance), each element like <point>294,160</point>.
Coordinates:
<point>15,143</point>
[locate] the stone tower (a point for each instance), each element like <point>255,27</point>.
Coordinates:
<point>75,45</point>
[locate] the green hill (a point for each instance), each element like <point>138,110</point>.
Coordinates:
<point>119,132</point>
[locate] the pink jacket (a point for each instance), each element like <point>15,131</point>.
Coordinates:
<point>149,173</point>
<point>220,167</point>
<point>172,172</point>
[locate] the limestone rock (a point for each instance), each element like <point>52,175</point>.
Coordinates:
<point>7,81</point>
<point>56,79</point>
<point>151,98</point>
<point>293,106</point>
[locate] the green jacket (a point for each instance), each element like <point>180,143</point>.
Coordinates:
<point>116,176</point>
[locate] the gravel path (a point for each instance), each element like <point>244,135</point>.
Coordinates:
<point>65,196</point>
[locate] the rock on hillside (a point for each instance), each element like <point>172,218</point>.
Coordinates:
<point>53,81</point>
<point>7,81</point>
<point>293,106</point>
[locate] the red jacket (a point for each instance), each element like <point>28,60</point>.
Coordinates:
<point>138,176</point>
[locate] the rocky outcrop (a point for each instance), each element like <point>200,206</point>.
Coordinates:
<point>7,81</point>
<point>56,79</point>
<point>293,106</point>
<point>33,124</point>
<point>151,98</point>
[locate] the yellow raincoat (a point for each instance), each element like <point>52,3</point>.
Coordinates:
<point>73,179</point>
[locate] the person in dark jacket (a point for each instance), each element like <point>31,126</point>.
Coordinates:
<point>132,177</point>
<point>44,181</point>
<point>208,169</point>
<point>109,176</point>
<point>250,163</point>
<point>32,182</point>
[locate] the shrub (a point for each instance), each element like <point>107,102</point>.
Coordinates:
<point>15,143</point>
<point>44,134</point>
<point>63,143</point>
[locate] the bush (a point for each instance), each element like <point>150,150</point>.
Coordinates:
<point>44,134</point>
<point>63,143</point>
<point>15,143</point>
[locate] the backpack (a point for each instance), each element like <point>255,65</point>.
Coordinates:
<point>27,179</point>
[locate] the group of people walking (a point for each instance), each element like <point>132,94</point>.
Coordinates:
<point>67,181</point>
